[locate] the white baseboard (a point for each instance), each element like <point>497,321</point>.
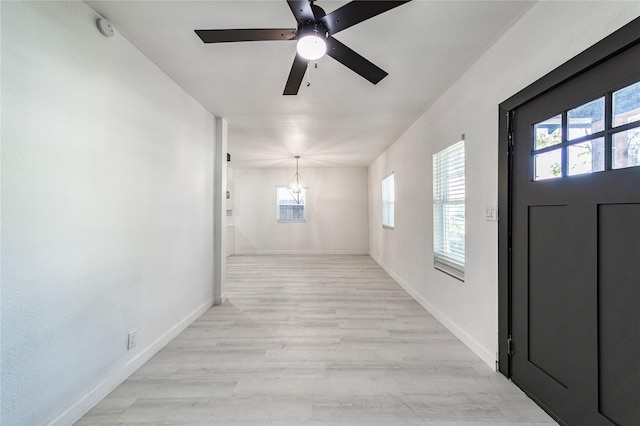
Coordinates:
<point>220,300</point>
<point>485,355</point>
<point>88,401</point>
<point>294,252</point>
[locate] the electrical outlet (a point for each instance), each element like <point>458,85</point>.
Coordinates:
<point>132,338</point>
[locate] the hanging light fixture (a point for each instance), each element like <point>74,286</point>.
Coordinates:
<point>297,186</point>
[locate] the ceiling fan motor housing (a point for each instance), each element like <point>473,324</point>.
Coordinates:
<point>312,28</point>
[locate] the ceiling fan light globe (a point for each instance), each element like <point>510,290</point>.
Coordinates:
<point>312,47</point>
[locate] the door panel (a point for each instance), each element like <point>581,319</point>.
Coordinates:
<point>548,291</point>
<point>618,304</point>
<point>576,247</point>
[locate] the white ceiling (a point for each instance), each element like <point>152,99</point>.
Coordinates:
<point>340,119</point>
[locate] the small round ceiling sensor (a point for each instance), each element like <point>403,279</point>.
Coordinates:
<point>105,27</point>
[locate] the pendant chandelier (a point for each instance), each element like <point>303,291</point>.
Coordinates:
<point>297,186</point>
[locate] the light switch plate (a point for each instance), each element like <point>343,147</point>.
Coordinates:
<point>491,214</point>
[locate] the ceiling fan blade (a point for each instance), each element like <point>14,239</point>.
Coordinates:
<point>296,75</point>
<point>301,9</point>
<point>357,11</point>
<point>354,61</point>
<point>224,36</point>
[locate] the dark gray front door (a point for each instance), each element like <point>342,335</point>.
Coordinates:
<point>576,246</point>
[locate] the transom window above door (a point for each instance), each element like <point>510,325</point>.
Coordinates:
<point>599,135</point>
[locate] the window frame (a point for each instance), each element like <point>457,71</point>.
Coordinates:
<point>303,203</point>
<point>388,202</point>
<point>606,136</point>
<point>444,260</point>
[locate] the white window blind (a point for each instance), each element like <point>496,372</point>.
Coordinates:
<point>449,210</point>
<point>388,201</point>
<point>288,210</point>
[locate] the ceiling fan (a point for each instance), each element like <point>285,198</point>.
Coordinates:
<point>314,34</point>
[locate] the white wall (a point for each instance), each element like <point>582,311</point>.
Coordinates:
<point>220,212</point>
<point>336,210</point>
<point>547,36</point>
<point>231,227</point>
<point>107,202</point>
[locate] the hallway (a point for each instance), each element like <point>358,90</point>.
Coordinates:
<point>315,340</point>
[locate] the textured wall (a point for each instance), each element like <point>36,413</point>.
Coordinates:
<point>107,195</point>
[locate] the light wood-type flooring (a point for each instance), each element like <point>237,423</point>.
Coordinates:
<point>315,340</point>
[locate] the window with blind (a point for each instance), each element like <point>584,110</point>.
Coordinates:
<point>288,210</point>
<point>448,210</point>
<point>388,201</point>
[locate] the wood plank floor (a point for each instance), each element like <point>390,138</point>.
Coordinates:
<point>315,340</point>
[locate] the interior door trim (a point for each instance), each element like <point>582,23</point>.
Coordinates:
<point>616,42</point>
